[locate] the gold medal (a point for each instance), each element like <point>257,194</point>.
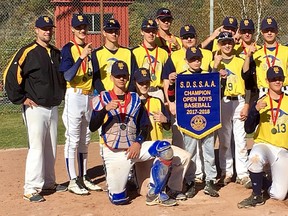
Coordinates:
<point>153,77</point>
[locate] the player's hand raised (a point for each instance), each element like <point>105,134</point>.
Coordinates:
<point>217,58</point>
<point>261,104</point>
<point>113,104</point>
<point>251,49</point>
<point>86,51</point>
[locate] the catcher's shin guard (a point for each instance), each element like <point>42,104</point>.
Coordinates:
<point>161,167</point>
<point>119,199</point>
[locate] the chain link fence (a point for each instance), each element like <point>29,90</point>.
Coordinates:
<point>17,21</point>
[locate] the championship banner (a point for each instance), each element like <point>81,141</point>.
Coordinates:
<point>198,104</point>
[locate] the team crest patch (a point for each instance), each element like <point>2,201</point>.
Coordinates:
<point>80,18</point>
<point>193,49</point>
<point>150,22</point>
<point>276,70</point>
<point>165,11</point>
<point>231,20</point>
<point>144,73</point>
<point>112,21</point>
<point>187,28</point>
<point>120,65</point>
<point>46,19</point>
<point>246,22</point>
<point>198,122</point>
<point>269,21</point>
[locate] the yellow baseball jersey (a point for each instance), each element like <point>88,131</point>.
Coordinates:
<point>177,63</point>
<point>153,105</point>
<point>260,60</point>
<point>169,47</point>
<point>268,133</point>
<point>103,59</point>
<point>235,85</point>
<point>151,63</point>
<point>84,75</point>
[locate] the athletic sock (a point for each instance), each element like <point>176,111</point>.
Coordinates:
<point>257,182</point>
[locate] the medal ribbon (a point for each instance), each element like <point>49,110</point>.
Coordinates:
<point>122,106</point>
<point>267,60</point>
<point>83,63</point>
<point>274,117</point>
<point>149,59</point>
<point>244,48</point>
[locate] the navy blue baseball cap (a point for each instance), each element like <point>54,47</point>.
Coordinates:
<point>149,24</point>
<point>163,13</point>
<point>225,35</point>
<point>44,21</point>
<point>275,72</point>
<point>79,19</point>
<point>269,23</point>
<point>246,24</point>
<point>142,75</point>
<point>187,30</point>
<point>111,24</point>
<point>119,68</point>
<point>230,22</point>
<point>193,52</point>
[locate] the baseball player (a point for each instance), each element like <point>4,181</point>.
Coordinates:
<point>104,56</point>
<point>269,115</point>
<point>229,24</point>
<point>234,111</point>
<point>272,53</point>
<point>160,119</point>
<point>165,39</point>
<point>32,80</point>
<point>77,69</point>
<point>151,56</point>
<point>125,126</point>
<point>194,57</point>
<point>175,64</point>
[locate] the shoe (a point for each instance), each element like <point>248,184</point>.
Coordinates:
<point>191,190</point>
<point>34,197</point>
<point>246,181</point>
<point>156,200</point>
<point>90,185</point>
<point>210,190</point>
<point>224,180</point>
<point>252,201</point>
<point>198,180</point>
<point>55,188</point>
<point>177,195</point>
<point>76,187</point>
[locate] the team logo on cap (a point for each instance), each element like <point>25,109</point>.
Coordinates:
<point>231,20</point>
<point>276,70</point>
<point>80,18</point>
<point>144,72</point>
<point>246,22</point>
<point>269,21</point>
<point>193,49</point>
<point>150,22</point>
<point>120,65</point>
<point>187,28</point>
<point>112,21</point>
<point>165,11</point>
<point>46,19</point>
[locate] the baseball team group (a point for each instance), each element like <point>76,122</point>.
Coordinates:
<point>128,96</point>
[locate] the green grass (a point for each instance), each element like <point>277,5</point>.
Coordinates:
<point>13,132</point>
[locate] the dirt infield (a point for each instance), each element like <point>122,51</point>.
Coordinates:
<point>12,168</point>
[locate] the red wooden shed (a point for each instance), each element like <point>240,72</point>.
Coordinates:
<point>95,11</point>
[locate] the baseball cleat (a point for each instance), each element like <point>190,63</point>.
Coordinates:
<point>190,190</point>
<point>76,187</point>
<point>34,197</point>
<point>176,195</point>
<point>155,200</point>
<point>252,201</point>
<point>246,181</point>
<point>90,185</point>
<point>210,190</point>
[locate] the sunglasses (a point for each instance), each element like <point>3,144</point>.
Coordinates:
<point>186,37</point>
<point>166,19</point>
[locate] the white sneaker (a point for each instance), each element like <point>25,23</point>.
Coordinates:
<point>90,185</point>
<point>76,187</point>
